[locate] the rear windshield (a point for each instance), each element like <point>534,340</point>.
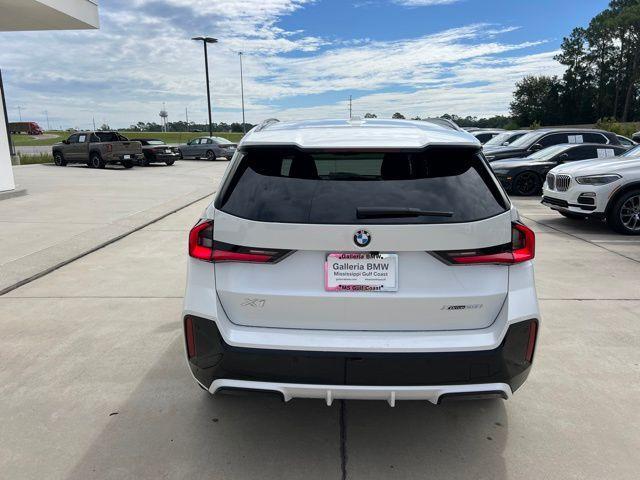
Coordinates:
<point>289,185</point>
<point>110,137</point>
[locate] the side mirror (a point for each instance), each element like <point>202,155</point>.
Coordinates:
<point>505,144</point>
<point>563,158</point>
<point>66,142</point>
<point>536,147</point>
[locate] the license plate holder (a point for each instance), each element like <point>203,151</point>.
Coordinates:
<point>361,272</point>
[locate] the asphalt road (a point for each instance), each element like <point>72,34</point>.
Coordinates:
<point>93,383</point>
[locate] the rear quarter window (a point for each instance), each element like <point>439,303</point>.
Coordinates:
<point>290,185</point>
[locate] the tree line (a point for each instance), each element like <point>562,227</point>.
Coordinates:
<point>182,126</point>
<point>600,83</point>
<point>601,77</point>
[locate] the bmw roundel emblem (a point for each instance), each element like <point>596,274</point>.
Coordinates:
<point>362,238</point>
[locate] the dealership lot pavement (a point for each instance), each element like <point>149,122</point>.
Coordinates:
<point>93,383</point>
<point>73,210</point>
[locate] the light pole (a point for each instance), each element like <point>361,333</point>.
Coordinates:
<point>244,128</point>
<point>204,41</point>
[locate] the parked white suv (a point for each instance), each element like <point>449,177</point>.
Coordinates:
<point>606,188</point>
<point>361,260</point>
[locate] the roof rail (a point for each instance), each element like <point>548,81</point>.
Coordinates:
<point>443,122</point>
<point>265,124</point>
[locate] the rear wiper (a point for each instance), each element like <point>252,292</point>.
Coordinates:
<point>394,212</point>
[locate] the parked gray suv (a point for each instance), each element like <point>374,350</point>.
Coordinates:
<point>209,148</point>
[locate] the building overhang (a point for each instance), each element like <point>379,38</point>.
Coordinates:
<point>48,15</point>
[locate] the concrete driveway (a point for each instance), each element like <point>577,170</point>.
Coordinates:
<point>73,210</point>
<point>93,382</point>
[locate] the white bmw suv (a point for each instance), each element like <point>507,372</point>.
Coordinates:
<point>357,259</point>
<point>606,188</point>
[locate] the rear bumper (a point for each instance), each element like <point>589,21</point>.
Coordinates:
<point>119,158</point>
<point>314,374</point>
<point>162,157</point>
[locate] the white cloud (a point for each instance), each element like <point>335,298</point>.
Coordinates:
<point>143,57</point>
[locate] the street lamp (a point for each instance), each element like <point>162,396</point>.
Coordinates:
<point>204,41</point>
<point>244,129</point>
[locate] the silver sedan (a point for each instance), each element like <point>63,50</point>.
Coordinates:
<point>209,148</point>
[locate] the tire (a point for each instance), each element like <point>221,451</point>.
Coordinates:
<point>526,184</point>
<point>169,162</point>
<point>127,164</point>
<point>144,161</point>
<point>210,155</point>
<point>59,160</point>
<point>573,216</point>
<point>96,161</point>
<point>624,215</point>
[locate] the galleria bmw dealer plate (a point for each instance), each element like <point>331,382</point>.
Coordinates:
<point>361,272</point>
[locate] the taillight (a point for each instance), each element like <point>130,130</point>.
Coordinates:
<point>521,249</point>
<point>201,241</point>
<point>109,148</point>
<point>523,242</point>
<point>203,247</point>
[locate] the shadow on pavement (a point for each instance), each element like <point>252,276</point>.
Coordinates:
<point>455,440</point>
<point>170,428</point>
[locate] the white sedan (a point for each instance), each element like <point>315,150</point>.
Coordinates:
<point>607,188</point>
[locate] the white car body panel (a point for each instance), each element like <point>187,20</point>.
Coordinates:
<point>292,294</point>
<point>201,300</point>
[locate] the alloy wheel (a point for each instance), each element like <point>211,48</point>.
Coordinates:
<point>526,184</point>
<point>630,213</point>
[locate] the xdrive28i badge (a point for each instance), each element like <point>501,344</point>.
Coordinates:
<point>362,238</point>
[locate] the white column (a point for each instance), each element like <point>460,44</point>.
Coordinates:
<point>6,172</point>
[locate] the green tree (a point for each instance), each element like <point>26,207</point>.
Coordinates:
<point>536,99</point>
<point>370,115</point>
<point>398,116</point>
<point>577,93</point>
<point>625,19</point>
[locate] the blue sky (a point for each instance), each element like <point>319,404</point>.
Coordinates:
<point>303,58</point>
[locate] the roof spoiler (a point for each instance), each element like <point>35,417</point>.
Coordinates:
<point>443,122</point>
